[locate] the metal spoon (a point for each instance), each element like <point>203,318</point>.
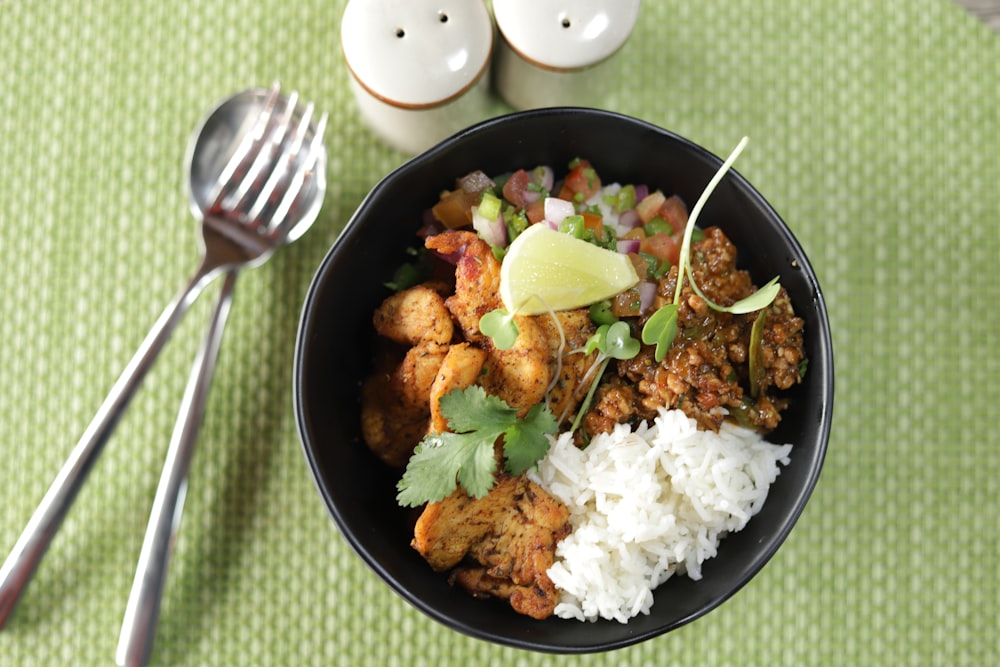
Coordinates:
<point>254,189</point>
<point>135,642</point>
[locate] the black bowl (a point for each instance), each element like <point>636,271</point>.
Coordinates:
<point>335,337</point>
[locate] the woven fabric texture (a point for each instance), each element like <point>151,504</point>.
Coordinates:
<point>875,132</point>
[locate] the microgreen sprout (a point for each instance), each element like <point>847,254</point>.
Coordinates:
<point>661,328</point>
<point>613,340</point>
<point>500,326</point>
<point>610,341</point>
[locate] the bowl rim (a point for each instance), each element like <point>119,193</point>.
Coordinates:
<point>820,329</point>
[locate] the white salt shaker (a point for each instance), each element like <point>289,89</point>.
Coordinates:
<point>419,69</point>
<point>560,52</point>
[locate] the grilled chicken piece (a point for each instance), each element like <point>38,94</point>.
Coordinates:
<point>396,398</point>
<point>413,316</point>
<point>567,333</point>
<point>395,401</point>
<point>459,369</point>
<point>520,375</point>
<point>500,545</point>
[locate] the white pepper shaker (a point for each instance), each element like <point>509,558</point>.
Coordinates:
<point>560,52</point>
<point>419,69</point>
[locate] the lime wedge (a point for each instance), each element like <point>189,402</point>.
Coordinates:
<point>545,269</point>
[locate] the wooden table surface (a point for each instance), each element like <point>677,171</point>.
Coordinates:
<point>987,10</point>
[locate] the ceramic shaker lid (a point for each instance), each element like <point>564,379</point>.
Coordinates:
<point>565,34</point>
<point>416,53</point>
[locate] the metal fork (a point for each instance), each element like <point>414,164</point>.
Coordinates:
<point>266,193</point>
<point>142,611</point>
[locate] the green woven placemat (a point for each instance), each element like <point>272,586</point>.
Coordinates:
<point>875,131</point>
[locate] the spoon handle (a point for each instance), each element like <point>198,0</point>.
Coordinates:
<point>135,642</point>
<point>30,547</point>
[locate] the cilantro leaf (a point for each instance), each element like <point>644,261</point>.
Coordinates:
<point>472,409</point>
<point>476,476</point>
<point>525,442</point>
<point>436,464</point>
<point>465,456</point>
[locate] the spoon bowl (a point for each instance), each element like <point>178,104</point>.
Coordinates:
<point>218,139</point>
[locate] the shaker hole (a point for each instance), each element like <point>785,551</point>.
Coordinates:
<point>442,17</point>
<point>566,23</point>
<point>400,33</point>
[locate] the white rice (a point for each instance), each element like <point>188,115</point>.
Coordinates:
<point>648,503</point>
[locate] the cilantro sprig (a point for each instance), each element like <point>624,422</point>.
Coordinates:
<point>465,454</point>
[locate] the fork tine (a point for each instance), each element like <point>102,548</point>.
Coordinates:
<point>282,167</point>
<point>291,194</point>
<point>264,159</point>
<point>250,135</point>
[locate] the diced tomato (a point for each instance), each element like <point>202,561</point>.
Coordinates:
<point>581,183</point>
<point>594,223</point>
<point>535,212</point>
<point>516,187</point>
<point>661,245</point>
<point>674,210</point>
<point>649,207</point>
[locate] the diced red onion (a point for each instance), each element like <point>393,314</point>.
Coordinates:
<point>429,226</point>
<point>450,257</point>
<point>557,210</point>
<point>628,245</point>
<point>647,294</point>
<point>493,232</point>
<point>641,192</point>
<point>629,219</point>
<point>544,177</point>
<point>475,182</point>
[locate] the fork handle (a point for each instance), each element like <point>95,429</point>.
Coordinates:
<point>30,547</point>
<point>135,643</point>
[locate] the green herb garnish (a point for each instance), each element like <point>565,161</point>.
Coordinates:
<point>411,273</point>
<point>499,325</point>
<point>661,329</point>
<point>661,332</point>
<point>610,341</point>
<point>613,340</point>
<point>465,455</point>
